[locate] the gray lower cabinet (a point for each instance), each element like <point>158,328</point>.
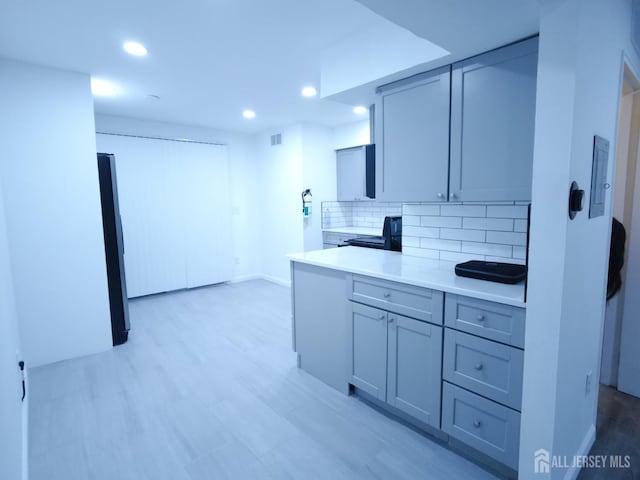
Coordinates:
<point>387,339</point>
<point>485,367</point>
<point>493,104</point>
<point>398,360</point>
<point>488,427</point>
<point>413,375</point>
<point>368,352</point>
<point>416,302</point>
<point>319,326</point>
<point>482,376</point>
<point>502,323</point>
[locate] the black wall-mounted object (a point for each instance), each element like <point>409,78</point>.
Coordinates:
<point>114,249</point>
<point>576,200</point>
<point>370,171</point>
<point>526,280</point>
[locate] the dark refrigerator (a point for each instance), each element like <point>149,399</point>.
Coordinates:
<point>114,248</point>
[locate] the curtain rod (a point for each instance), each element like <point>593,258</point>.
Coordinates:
<point>181,140</point>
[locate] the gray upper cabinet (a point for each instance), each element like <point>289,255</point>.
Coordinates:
<point>350,165</point>
<point>412,128</point>
<point>415,352</point>
<point>493,102</point>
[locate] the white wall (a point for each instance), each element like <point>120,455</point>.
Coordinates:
<point>11,440</point>
<point>49,175</point>
<point>579,78</point>
<point>244,179</point>
<point>319,174</point>
<point>280,202</point>
<point>351,135</point>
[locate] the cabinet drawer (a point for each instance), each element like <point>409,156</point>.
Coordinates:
<point>482,424</point>
<point>415,302</point>
<point>502,323</point>
<point>485,367</point>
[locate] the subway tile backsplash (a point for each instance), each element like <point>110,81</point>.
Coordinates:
<point>461,232</point>
<point>454,232</point>
<point>358,214</point>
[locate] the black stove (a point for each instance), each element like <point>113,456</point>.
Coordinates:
<point>391,238</point>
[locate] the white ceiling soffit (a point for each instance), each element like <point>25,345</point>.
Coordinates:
<point>463,28</point>
<point>371,54</point>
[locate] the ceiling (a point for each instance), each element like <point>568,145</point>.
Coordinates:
<point>208,59</point>
<point>211,59</point>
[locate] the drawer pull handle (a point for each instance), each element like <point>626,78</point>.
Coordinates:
<point>480,318</point>
<point>478,366</point>
<point>477,423</point>
<point>387,295</point>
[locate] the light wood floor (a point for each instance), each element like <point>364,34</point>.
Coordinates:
<point>207,388</point>
<point>618,433</point>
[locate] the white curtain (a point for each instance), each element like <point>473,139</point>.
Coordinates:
<point>175,209</point>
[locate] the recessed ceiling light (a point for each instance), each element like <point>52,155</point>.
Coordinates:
<point>135,48</point>
<point>360,110</point>
<point>102,88</point>
<point>309,92</point>
<point>249,114</point>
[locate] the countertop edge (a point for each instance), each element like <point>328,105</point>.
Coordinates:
<point>415,282</point>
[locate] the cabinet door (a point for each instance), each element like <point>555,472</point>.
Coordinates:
<point>413,127</point>
<point>368,355</point>
<point>493,103</point>
<point>415,359</point>
<point>350,164</point>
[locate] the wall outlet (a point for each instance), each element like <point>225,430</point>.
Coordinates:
<point>588,382</point>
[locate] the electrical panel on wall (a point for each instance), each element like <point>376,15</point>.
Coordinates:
<point>599,183</point>
<point>635,25</point>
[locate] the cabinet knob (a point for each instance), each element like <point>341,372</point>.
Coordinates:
<point>391,319</point>
<point>441,195</point>
<point>387,295</point>
<point>382,316</point>
<point>477,423</point>
<point>453,196</point>
<point>478,366</point>
<point>480,318</point>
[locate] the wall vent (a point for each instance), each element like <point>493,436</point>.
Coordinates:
<point>276,139</point>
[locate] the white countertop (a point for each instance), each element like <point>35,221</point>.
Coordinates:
<point>422,272</point>
<point>355,230</point>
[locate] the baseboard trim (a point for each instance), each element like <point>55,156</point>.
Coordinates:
<point>585,448</point>
<point>257,276</point>
<point>278,281</point>
<point>246,278</point>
